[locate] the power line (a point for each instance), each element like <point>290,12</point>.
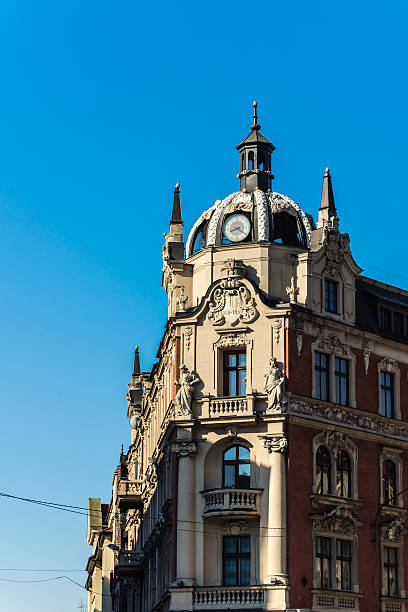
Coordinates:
<point>51,580</point>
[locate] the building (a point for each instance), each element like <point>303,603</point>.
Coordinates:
<point>267,464</point>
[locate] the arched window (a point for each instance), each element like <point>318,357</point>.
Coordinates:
<point>261,160</point>
<point>343,475</point>
<point>251,160</point>
<point>198,242</point>
<point>323,471</point>
<point>243,161</point>
<point>236,467</point>
<point>389,483</point>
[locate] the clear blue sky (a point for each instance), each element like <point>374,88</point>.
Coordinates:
<point>103,107</point>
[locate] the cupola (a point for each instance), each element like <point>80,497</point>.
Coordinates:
<point>255,155</point>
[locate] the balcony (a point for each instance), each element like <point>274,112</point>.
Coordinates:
<point>129,494</point>
<point>335,600</point>
<point>247,597</point>
<point>228,408</point>
<point>393,604</point>
<point>242,502</point>
<point>129,562</point>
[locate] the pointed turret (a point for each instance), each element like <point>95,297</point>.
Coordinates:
<point>327,210</point>
<point>136,364</point>
<point>176,214</point>
<point>255,151</point>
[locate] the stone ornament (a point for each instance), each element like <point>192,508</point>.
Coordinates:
<point>299,341</point>
<point>262,205</point>
<point>277,325</point>
<point>274,387</point>
<point>335,244</point>
<point>182,299</point>
<point>332,344</point>
<point>231,301</point>
<point>394,531</point>
<point>338,520</point>
<point>235,528</point>
<point>366,357</point>
<point>233,339</point>
<point>292,291</point>
<point>388,364</point>
<point>184,395</point>
<point>338,415</point>
<point>276,444</point>
<point>188,332</point>
<point>337,441</point>
<point>184,448</point>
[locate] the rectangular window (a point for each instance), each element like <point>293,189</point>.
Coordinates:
<point>391,571</point>
<point>343,565</point>
<point>323,562</point>
<point>385,319</point>
<point>322,376</point>
<point>330,296</point>
<point>341,378</point>
<point>234,373</point>
<point>387,394</point>
<point>398,324</point>
<point>236,560</point>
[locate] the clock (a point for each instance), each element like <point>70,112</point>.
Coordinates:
<point>236,228</point>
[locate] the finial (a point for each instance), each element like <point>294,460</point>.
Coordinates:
<point>177,188</point>
<point>255,126</point>
<point>327,172</point>
<point>136,363</point>
<point>121,450</point>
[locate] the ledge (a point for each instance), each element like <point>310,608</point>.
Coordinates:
<point>224,502</point>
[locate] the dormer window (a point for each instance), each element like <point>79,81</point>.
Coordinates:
<point>331,290</point>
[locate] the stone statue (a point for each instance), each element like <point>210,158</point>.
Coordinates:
<point>274,382</point>
<point>185,393</point>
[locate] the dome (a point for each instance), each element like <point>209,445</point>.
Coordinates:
<point>272,217</point>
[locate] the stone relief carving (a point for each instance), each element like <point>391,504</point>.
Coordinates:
<point>277,325</point>
<point>337,441</point>
<point>338,415</point>
<point>299,341</point>
<point>274,387</point>
<point>232,339</point>
<point>231,301</point>
<point>188,332</point>
<point>184,395</point>
<point>182,299</point>
<point>366,357</point>
<point>235,528</point>
<point>388,364</point>
<point>332,344</point>
<point>292,291</point>
<point>335,244</point>
<point>276,444</point>
<point>263,217</point>
<point>243,203</point>
<point>184,448</point>
<point>394,531</point>
<point>338,520</point>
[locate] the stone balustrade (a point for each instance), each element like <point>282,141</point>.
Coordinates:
<point>336,599</point>
<point>227,407</point>
<point>231,501</point>
<point>228,597</point>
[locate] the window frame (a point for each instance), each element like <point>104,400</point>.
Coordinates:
<point>236,463</point>
<point>387,390</point>
<point>322,465</point>
<point>339,376</point>
<point>319,371</point>
<point>237,556</point>
<point>331,296</point>
<point>389,366</point>
<point>350,448</point>
<point>334,558</point>
<point>226,369</point>
<point>397,565</point>
<point>340,472</point>
<point>348,356</point>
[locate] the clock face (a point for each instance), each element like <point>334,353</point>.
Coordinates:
<point>236,227</point>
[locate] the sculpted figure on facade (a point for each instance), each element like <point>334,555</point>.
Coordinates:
<point>274,387</point>
<point>338,520</point>
<point>184,395</point>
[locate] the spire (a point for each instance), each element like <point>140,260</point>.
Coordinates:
<point>327,208</point>
<point>255,152</point>
<point>176,214</point>
<point>255,126</point>
<point>136,364</point>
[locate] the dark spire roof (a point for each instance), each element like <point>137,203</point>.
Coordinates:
<point>327,199</point>
<point>255,135</point>
<point>176,214</point>
<point>136,365</point>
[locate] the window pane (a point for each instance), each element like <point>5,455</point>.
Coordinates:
<point>230,577</point>
<point>326,579</point>
<point>242,359</point>
<point>229,478</point>
<point>232,387</point>
<point>243,452</point>
<point>230,544</point>
<point>245,571</point>
<point>244,544</point>
<point>232,359</point>
<point>231,453</point>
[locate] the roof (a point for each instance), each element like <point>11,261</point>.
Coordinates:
<point>253,137</point>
